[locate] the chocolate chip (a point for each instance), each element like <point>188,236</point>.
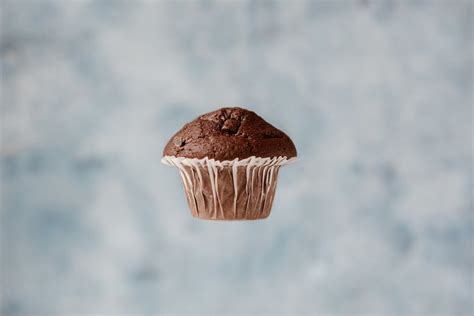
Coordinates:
<point>231,126</point>
<point>179,142</point>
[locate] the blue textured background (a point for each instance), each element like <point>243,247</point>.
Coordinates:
<point>376,217</point>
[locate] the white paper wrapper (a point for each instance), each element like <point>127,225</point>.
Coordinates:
<point>231,189</point>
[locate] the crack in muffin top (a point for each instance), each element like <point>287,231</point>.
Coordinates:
<point>229,133</point>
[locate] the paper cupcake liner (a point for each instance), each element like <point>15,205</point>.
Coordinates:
<point>231,189</point>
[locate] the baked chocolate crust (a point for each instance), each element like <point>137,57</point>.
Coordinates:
<point>229,133</point>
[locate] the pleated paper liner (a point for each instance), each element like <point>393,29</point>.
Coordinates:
<point>231,189</point>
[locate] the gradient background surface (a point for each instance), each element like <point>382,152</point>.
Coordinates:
<point>376,216</point>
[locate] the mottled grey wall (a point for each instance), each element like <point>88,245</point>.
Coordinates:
<point>376,217</point>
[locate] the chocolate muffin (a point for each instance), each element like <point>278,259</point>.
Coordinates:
<point>229,161</point>
<point>227,134</point>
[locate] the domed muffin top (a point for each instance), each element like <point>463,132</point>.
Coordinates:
<point>229,133</point>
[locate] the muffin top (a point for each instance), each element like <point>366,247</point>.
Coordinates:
<point>229,133</point>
